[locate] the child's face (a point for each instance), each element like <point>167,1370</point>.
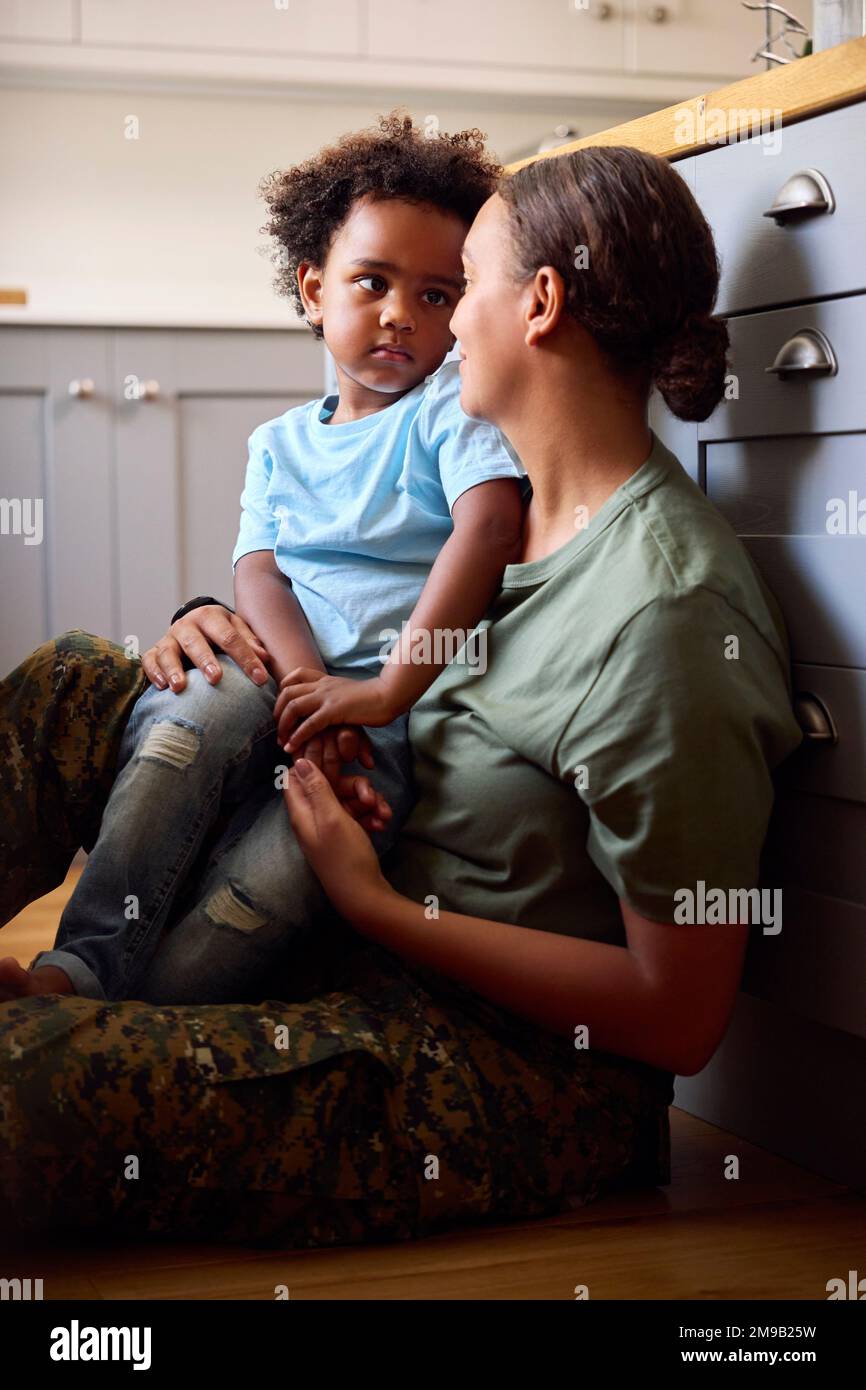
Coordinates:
<point>384,299</point>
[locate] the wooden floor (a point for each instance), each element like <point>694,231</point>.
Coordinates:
<point>776,1232</point>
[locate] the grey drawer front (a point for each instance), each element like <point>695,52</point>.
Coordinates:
<point>839,769</point>
<point>819,585</point>
<point>789,487</point>
<point>780,496</point>
<point>815,842</point>
<point>763,263</point>
<point>816,964</point>
<point>767,405</point>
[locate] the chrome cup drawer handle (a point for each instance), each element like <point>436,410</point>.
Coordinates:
<point>804,194</point>
<point>807,353</point>
<point>814,719</point>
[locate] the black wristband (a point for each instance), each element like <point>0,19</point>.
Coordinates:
<point>199,603</point>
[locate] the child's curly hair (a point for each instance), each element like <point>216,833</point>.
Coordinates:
<point>310,202</point>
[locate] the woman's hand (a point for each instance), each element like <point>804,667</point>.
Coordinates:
<point>320,701</point>
<point>193,634</point>
<point>330,752</point>
<point>335,845</point>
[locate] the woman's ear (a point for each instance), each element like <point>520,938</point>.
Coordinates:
<point>545,304</point>
<point>311,285</point>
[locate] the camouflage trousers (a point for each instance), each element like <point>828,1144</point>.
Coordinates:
<point>368,1102</point>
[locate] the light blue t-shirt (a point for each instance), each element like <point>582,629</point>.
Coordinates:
<point>357,513</point>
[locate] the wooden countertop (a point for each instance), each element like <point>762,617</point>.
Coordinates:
<point>834,77</point>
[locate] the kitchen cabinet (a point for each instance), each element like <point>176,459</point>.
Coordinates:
<point>292,27</point>
<point>798,254</point>
<point>56,457</point>
<point>49,21</point>
<point>693,37</point>
<point>779,495</point>
<point>572,49</point>
<point>782,459</point>
<point>135,443</point>
<point>550,33</point>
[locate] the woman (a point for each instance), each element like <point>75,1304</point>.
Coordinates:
<point>448,1064</point>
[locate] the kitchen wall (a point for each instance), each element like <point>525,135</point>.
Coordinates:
<point>162,229</point>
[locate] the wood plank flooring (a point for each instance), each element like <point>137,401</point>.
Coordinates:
<point>777,1231</point>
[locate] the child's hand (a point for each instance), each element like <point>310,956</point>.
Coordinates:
<point>357,795</point>
<point>318,700</point>
<point>331,750</point>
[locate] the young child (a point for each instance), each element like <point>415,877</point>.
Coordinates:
<point>360,500</point>
<point>384,510</point>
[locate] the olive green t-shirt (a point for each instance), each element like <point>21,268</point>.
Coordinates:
<point>620,741</point>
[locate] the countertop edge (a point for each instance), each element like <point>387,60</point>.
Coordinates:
<point>806,87</point>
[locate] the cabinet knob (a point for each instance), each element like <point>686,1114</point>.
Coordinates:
<point>657,14</point>
<point>814,718</point>
<point>807,353</point>
<point>603,11</point>
<point>82,387</point>
<point>148,390</point>
<point>804,194</point>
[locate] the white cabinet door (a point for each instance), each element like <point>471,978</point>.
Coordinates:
<point>115,509</point>
<point>80,483</point>
<point>288,27</point>
<point>24,433</point>
<point>505,33</point>
<point>51,21</point>
<point>181,456</point>
<point>695,37</point>
<point>56,498</point>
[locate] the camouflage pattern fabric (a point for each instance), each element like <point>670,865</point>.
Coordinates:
<point>62,716</point>
<point>369,1102</point>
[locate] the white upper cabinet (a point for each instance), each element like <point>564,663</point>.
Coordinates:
<point>51,21</point>
<point>699,37</point>
<point>263,26</point>
<point>657,53</point>
<point>544,33</point>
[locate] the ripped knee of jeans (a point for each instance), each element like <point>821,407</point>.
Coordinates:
<point>172,741</point>
<point>229,906</point>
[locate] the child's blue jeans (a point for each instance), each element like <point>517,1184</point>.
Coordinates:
<point>196,854</point>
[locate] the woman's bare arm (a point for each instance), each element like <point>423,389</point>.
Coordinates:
<point>666,998</point>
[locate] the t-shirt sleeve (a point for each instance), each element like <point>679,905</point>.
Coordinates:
<point>467,451</point>
<point>672,751</point>
<point>259,526</point>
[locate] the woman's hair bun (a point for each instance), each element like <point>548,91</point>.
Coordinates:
<point>689,368</point>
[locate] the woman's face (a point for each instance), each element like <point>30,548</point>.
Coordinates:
<point>489,320</point>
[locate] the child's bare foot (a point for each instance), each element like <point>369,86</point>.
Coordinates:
<point>17,983</point>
